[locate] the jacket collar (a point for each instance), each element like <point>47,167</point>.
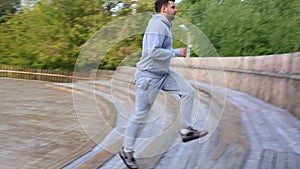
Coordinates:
<point>163,19</point>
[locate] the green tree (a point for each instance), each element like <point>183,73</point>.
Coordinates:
<point>50,35</point>
<point>247,28</point>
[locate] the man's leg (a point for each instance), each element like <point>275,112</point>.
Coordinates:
<point>144,101</point>
<point>143,104</point>
<point>177,85</point>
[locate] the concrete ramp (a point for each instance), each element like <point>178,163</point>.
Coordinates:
<point>244,132</point>
<point>160,146</point>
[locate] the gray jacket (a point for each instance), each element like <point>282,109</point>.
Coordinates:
<point>157,46</point>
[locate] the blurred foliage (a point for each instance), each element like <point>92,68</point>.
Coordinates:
<point>248,27</point>
<point>51,34</point>
<point>121,52</point>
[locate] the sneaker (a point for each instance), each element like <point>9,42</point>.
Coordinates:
<point>128,159</point>
<point>189,134</point>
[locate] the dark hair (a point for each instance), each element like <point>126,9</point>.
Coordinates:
<point>160,3</point>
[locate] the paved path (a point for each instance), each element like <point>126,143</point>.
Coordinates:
<point>168,156</point>
<point>273,133</point>
<point>169,149</point>
<point>122,102</point>
<point>39,126</point>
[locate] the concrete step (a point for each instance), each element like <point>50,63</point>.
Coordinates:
<point>267,128</point>
<point>278,160</point>
<point>216,151</point>
<point>221,147</point>
<point>226,147</point>
<point>161,121</point>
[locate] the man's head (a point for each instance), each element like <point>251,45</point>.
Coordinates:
<point>167,8</point>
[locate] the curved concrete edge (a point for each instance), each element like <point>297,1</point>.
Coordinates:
<point>86,148</point>
<point>231,115</point>
<point>232,151</point>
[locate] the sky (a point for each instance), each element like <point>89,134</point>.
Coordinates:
<point>177,1</point>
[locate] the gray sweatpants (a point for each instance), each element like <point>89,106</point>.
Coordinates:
<point>148,86</point>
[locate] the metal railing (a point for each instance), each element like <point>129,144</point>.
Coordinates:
<point>51,75</point>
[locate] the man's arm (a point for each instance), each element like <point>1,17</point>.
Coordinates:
<point>153,44</point>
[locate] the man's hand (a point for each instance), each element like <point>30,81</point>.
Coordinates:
<point>182,52</point>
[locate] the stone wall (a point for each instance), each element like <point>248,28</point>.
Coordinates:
<point>273,78</point>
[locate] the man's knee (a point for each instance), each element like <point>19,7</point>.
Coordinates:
<point>139,116</point>
<point>190,91</point>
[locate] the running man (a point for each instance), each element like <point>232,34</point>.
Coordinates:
<point>154,74</point>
